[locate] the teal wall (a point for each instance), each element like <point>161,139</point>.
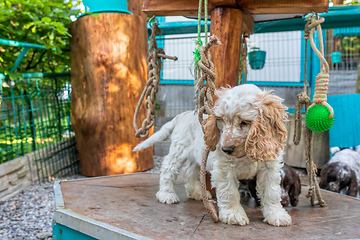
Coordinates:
<point>346,130</point>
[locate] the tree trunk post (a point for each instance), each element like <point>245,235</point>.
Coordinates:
<point>227,26</point>
<point>109,73</point>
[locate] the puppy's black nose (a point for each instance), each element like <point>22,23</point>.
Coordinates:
<point>228,150</point>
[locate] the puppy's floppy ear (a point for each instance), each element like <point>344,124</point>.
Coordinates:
<point>295,191</point>
<point>323,176</point>
<point>211,132</point>
<point>268,133</point>
<point>353,188</point>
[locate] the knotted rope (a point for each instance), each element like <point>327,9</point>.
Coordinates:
<point>322,79</point>
<point>154,65</point>
<point>204,91</point>
<point>311,168</point>
<point>206,103</point>
<point>208,204</point>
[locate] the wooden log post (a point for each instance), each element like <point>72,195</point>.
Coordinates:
<point>227,26</point>
<point>108,74</point>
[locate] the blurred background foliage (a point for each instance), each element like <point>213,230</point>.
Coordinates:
<point>44,22</point>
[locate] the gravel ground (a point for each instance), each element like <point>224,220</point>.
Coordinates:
<point>29,214</point>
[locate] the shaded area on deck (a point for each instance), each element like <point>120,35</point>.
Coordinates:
<point>128,202</point>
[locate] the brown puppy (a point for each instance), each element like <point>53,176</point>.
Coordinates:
<point>290,187</point>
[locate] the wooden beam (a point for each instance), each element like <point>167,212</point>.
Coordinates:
<point>226,57</point>
<point>283,6</point>
<point>338,2</point>
<point>190,7</point>
<point>248,24</point>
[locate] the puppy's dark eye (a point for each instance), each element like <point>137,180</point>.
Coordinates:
<point>244,123</point>
<point>331,178</point>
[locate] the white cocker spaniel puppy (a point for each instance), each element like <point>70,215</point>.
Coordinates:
<point>246,134</point>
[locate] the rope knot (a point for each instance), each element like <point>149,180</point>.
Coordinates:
<point>315,22</point>
<point>205,92</point>
<point>321,88</point>
<point>154,65</point>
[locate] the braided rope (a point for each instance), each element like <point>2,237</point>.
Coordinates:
<point>207,69</point>
<point>303,98</point>
<point>322,79</point>
<point>204,73</point>
<point>209,206</point>
<point>205,104</point>
<point>154,65</point>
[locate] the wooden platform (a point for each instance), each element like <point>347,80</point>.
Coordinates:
<point>125,207</point>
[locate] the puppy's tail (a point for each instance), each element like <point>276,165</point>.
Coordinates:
<point>161,135</point>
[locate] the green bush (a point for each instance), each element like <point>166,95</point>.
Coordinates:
<point>44,22</point>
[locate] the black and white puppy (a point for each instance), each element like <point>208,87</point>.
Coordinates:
<point>342,173</point>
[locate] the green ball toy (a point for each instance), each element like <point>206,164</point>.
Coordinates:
<point>318,118</point>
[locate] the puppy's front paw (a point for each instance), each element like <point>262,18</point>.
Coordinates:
<point>235,216</point>
<point>278,217</point>
<point>167,197</point>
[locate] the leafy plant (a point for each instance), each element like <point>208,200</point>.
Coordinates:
<point>44,22</point>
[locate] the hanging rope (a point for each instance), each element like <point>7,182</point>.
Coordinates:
<point>204,91</point>
<point>205,103</point>
<point>154,65</point>
<point>243,63</point>
<point>322,79</point>
<point>207,76</point>
<point>303,98</point>
<point>320,115</point>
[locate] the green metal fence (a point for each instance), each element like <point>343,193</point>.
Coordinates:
<point>35,117</point>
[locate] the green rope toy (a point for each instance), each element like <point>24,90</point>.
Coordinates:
<point>320,115</point>
<point>198,41</point>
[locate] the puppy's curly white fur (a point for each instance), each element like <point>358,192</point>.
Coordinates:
<point>246,134</point>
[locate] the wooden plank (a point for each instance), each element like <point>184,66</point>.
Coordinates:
<point>295,154</point>
<point>109,72</point>
<point>190,7</point>
<point>226,57</point>
<point>128,202</point>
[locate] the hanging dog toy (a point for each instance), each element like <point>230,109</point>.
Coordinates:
<point>304,99</point>
<point>320,115</point>
<point>154,65</point>
<point>204,91</point>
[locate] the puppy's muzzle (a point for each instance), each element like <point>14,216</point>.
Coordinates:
<point>228,150</point>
